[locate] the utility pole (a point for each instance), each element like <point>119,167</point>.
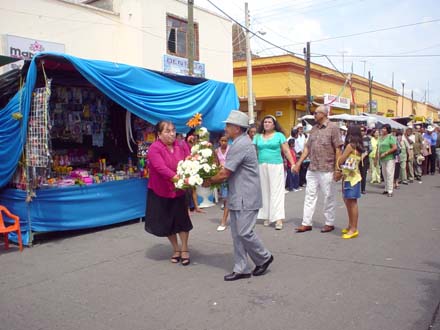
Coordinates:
<point>307,74</point>
<point>412,102</point>
<point>365,62</point>
<point>427,98</point>
<point>250,96</point>
<point>403,94</point>
<point>190,37</point>
<point>370,86</point>
<point>392,80</point>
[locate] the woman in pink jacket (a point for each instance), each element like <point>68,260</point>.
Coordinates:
<point>167,210</point>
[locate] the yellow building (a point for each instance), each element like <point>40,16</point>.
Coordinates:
<point>280,90</point>
<point>419,110</point>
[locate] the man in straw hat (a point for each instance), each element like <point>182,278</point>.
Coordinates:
<point>241,171</point>
<point>323,148</point>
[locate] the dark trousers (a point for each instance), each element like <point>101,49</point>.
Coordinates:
<point>292,180</point>
<point>430,166</point>
<point>302,173</point>
<point>363,167</point>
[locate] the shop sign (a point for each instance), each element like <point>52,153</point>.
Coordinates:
<point>372,107</point>
<point>179,65</point>
<point>421,119</point>
<point>26,48</point>
<point>337,101</point>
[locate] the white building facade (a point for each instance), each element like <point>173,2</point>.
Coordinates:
<point>145,33</point>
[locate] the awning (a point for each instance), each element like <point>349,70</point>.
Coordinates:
<point>4,60</point>
<point>385,120</point>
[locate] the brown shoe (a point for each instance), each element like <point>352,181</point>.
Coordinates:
<point>302,229</point>
<point>327,229</point>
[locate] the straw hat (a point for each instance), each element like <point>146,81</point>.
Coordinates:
<point>430,128</point>
<point>420,159</point>
<point>238,118</point>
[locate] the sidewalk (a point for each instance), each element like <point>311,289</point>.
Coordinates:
<point>121,278</point>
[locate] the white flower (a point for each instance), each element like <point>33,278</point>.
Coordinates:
<point>206,153</point>
<point>199,180</point>
<point>192,180</point>
<point>202,131</point>
<point>195,148</point>
<point>206,168</point>
<point>179,183</point>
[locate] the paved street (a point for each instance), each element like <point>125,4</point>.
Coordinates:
<point>120,277</point>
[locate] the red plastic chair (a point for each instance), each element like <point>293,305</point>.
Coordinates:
<point>11,228</point>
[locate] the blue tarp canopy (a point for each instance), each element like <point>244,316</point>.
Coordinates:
<point>147,94</point>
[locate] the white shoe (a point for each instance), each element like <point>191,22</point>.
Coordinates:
<point>266,223</point>
<point>221,228</point>
<point>279,226</point>
<point>286,191</point>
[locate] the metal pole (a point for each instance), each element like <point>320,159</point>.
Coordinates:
<point>190,37</point>
<point>308,89</point>
<point>370,86</point>
<point>403,95</point>
<point>250,96</point>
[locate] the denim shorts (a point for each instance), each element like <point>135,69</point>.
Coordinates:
<point>351,192</point>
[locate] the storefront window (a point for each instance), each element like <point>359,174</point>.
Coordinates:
<point>177,37</point>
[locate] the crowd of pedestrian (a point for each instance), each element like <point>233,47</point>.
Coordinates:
<point>259,166</point>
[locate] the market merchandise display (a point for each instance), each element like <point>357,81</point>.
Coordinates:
<point>71,141</point>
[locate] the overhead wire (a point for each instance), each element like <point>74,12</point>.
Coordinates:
<point>248,30</point>
<point>371,31</point>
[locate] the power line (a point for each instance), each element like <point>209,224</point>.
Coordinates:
<point>370,31</point>
<point>392,56</point>
<point>251,32</point>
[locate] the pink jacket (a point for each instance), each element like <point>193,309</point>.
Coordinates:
<point>162,165</point>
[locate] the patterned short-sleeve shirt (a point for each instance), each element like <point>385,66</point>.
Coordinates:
<point>322,144</point>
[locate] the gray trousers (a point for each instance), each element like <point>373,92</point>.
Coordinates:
<point>246,241</point>
<point>410,164</point>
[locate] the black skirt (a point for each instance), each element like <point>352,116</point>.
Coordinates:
<point>166,216</point>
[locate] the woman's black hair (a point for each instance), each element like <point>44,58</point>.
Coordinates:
<point>354,137</point>
<point>278,127</point>
<point>388,127</point>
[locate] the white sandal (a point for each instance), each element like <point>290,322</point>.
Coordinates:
<point>221,228</point>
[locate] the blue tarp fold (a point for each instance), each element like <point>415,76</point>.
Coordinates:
<point>147,94</point>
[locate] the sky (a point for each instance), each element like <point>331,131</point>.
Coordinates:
<point>398,51</point>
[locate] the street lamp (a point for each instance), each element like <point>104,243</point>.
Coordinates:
<point>403,93</point>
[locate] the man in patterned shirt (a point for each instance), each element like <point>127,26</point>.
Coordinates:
<point>323,149</point>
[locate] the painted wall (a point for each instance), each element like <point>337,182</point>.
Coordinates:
<point>135,33</point>
<point>281,78</point>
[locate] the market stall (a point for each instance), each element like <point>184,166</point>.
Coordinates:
<point>73,140</point>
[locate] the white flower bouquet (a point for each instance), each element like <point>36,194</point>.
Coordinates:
<point>199,165</point>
